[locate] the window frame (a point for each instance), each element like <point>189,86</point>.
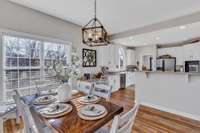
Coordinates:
<point>42,39</point>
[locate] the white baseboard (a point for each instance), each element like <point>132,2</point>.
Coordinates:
<point>191,116</point>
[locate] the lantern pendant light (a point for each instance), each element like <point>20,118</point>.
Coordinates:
<point>94,33</point>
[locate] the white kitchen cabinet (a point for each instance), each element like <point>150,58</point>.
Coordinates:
<point>109,56</point>
<point>130,56</point>
<point>114,81</point>
<point>104,57</point>
<point>191,51</point>
<point>183,53</point>
<point>173,51</point>
<point>130,78</point>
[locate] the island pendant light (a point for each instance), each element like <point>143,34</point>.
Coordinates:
<point>94,33</point>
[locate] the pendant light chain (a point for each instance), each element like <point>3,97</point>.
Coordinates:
<point>95,9</point>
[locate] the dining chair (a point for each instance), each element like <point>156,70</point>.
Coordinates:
<point>103,91</point>
<point>16,93</point>
<point>45,86</point>
<point>85,87</point>
<point>122,124</point>
<point>7,111</point>
<point>32,123</point>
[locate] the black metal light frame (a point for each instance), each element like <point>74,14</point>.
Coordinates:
<point>94,26</point>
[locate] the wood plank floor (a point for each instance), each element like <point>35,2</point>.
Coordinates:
<point>148,120</point>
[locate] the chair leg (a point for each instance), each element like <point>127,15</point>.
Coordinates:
<point>17,117</point>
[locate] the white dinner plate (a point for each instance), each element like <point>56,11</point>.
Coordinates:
<point>89,99</point>
<point>56,108</point>
<point>74,92</point>
<point>93,110</point>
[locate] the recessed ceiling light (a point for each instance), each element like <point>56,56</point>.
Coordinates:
<point>157,38</point>
<point>131,38</point>
<point>182,27</point>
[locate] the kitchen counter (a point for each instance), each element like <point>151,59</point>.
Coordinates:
<point>170,72</point>
<point>175,92</point>
<point>117,72</point>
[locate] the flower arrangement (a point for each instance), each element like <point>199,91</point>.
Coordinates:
<point>69,71</point>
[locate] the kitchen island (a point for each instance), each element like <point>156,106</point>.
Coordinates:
<point>175,92</point>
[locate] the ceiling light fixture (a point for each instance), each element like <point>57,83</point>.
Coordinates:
<point>157,38</point>
<point>131,38</point>
<point>182,27</point>
<point>94,33</point>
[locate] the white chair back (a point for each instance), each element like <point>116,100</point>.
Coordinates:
<point>24,111</point>
<point>45,85</point>
<point>85,87</point>
<point>124,123</point>
<point>103,91</point>
<point>32,122</point>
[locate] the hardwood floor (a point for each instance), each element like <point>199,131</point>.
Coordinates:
<point>148,120</point>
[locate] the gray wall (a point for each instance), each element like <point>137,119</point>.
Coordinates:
<point>22,19</point>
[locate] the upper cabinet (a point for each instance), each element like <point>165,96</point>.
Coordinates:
<point>130,54</point>
<point>182,53</point>
<point>173,51</point>
<point>113,56</point>
<point>191,51</point>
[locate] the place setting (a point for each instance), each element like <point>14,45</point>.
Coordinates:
<point>56,110</point>
<point>74,92</point>
<point>44,100</point>
<point>88,99</point>
<point>92,112</point>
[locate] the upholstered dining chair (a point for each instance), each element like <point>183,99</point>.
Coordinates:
<point>45,86</point>
<point>32,123</point>
<point>103,91</point>
<point>122,124</point>
<point>85,87</point>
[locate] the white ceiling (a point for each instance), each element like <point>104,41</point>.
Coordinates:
<point>116,15</point>
<point>162,37</point>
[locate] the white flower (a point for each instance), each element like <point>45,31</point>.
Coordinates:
<point>70,70</point>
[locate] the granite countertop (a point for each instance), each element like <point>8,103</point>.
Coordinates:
<point>117,72</point>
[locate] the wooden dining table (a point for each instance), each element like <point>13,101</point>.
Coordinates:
<point>72,123</point>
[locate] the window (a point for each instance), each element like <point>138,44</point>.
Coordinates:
<point>25,60</point>
<point>121,57</point>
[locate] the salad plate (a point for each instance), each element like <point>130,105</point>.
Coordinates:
<point>93,110</point>
<point>44,100</point>
<point>56,110</point>
<point>89,99</point>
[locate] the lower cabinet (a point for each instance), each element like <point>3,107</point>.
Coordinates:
<point>130,78</point>
<point>114,81</point>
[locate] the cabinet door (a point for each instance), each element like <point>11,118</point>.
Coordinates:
<point>175,52</point>
<point>103,56</point>
<point>114,81</point>
<point>130,78</point>
<point>130,56</point>
<point>191,52</point>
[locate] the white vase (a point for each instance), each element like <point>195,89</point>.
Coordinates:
<point>73,83</point>
<point>64,92</point>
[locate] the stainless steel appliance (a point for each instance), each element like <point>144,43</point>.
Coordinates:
<point>166,63</point>
<point>192,66</point>
<point>123,80</point>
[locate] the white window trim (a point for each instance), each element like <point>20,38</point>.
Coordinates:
<point>13,33</point>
